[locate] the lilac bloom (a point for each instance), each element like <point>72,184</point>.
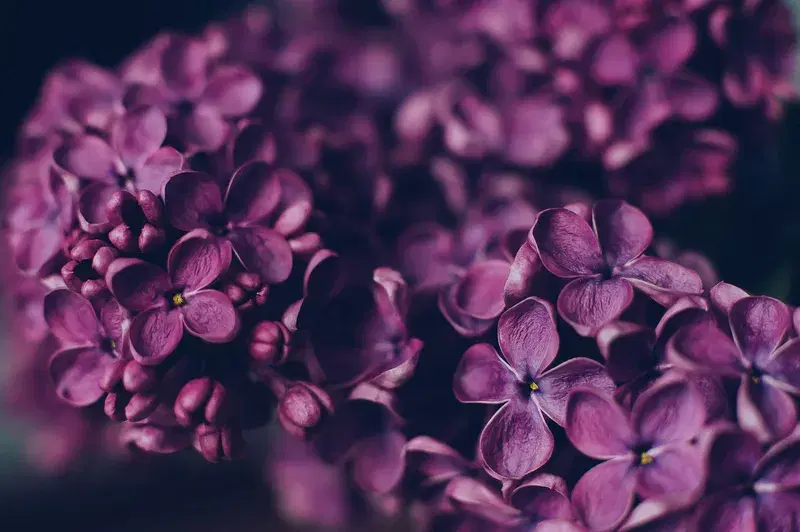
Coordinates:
<point>92,344</point>
<point>476,499</point>
<point>133,158</point>
<point>542,498</point>
<point>672,513</point>
<point>168,303</point>
<point>516,440</point>
<point>750,490</point>
<point>573,25</point>
<point>647,453</point>
<point>605,262</point>
<point>474,300</point>
<point>756,355</point>
<point>88,264</point>
<point>239,218</point>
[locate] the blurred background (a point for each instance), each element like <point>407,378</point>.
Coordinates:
<point>752,236</point>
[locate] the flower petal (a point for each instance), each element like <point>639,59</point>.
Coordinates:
<point>190,198</point>
<point>624,232</point>
<point>516,440</point>
<point>783,367</point>
<point>764,410</point>
<point>615,62</point>
<point>483,377</point>
<point>156,170</point>
<point>522,275</point>
<point>154,335</point>
<point>702,346</point>
<point>536,132</point>
<point>92,211</point>
<point>590,303</point>
<point>32,249</point>
<point>670,47</point>
<point>662,280</point>
<point>759,324</point>
<point>691,97</point>
<point>628,350</point>
<point>197,260</point>
<point>556,384</point>
<point>76,373</point>
<point>253,193</point>
<point>379,462</point>
<point>71,317</point>
<point>88,157</point>
<point>205,128</point>
<point>780,466</point>
<point>539,503</point>
<point>567,245</point>
<point>669,411</point>
<point>727,512</point>
<point>603,496</point>
<point>209,314</point>
<point>675,469</point>
<point>233,90</point>
<point>264,252</point>
<point>138,134</point>
<point>480,293</point>
<point>136,284</point>
<point>724,295</point>
<point>778,511</point>
<point>184,62</point>
<point>527,336</point>
<point>475,498</point>
<point>732,458</point>
<point>597,426</point>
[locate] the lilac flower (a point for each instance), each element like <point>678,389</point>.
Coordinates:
<point>92,344</point>
<point>269,343</point>
<point>756,355</point>
<point>542,498</point>
<point>303,407</point>
<point>168,303</point>
<point>194,200</point>
<point>666,514</point>
<point>647,453</point>
<point>133,158</point>
<point>138,221</point>
<point>85,272</point>
<point>516,440</point>
<point>606,262</point>
<point>750,490</point>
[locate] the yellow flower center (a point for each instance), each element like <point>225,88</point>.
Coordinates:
<point>113,344</point>
<point>645,459</point>
<point>533,386</point>
<point>178,300</point>
<point>755,378</point>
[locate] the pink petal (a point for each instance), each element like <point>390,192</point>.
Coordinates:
<point>759,325</point>
<point>527,336</point>
<point>197,260</point>
<point>233,90</point>
<point>253,193</point>
<point>480,293</point>
<point>675,469</point>
<point>624,232</point>
<point>136,284</point>
<point>604,495</point>
<point>155,334</point>
<point>779,511</point>
<point>190,198</point>
<point>138,134</point>
<point>669,48</point>
<point>205,128</point>
<point>522,275</point>
<point>662,280</point>
<point>539,503</point>
<point>483,377</point>
<point>732,456</point>
<point>724,295</point>
<point>702,346</point>
<point>34,248</point>
<point>92,212</point>
<point>615,62</point>
<point>556,384</point>
<point>516,440</point>
<point>379,462</point>
<point>210,315</point>
<point>590,303</point>
<point>295,205</point>
<point>536,131</point>
<point>779,466</point>
<point>71,317</point>
<point>567,245</point>
<point>764,410</point>
<point>725,513</point>
<point>76,374</point>
<point>691,97</point>
<point>669,411</point>
<point>184,62</point>
<point>264,252</point>
<point>783,367</point>
<point>597,426</point>
<point>88,157</point>
<point>158,168</point>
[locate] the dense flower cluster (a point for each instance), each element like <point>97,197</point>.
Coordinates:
<point>357,227</point>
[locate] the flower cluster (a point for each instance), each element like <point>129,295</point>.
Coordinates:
<point>359,227</point>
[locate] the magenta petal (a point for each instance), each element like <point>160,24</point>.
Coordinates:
<point>264,252</point>
<point>527,336</point>
<point>668,49</point>
<point>522,275</point>
<point>691,97</point>
<point>466,325</point>
<point>71,317</point>
<point>197,260</point>
<point>780,465</point>
<point>233,90</point>
<point>732,458</point>
<point>88,157</point>
<point>34,248</point>
<point>156,439</point>
<point>536,132</point>
<point>295,204</point>
<point>703,346</point>
<point>184,62</point>
<point>779,511</point>
<point>759,325</point>
<point>724,295</point>
<point>253,193</point>
<point>669,411</point>
<point>624,232</point>
<point>210,315</point>
<point>660,279</point>
<point>597,426</point>
<point>783,367</point>
<point>480,293</point>
<point>379,462</point>
<point>154,171</point>
<point>190,198</point>
<point>425,251</point>
<point>590,303</point>
<point>604,495</point>
<point>205,128</point>
<point>483,377</point>
<point>567,245</point>
<point>726,513</point>
<point>516,440</point>
<point>76,374</point>
<point>556,384</point>
<point>675,469</point>
<point>136,284</point>
<point>615,62</point>
<point>138,134</point>
<point>539,503</point>
<point>155,334</point>
<point>475,498</point>
<point>92,212</point>
<point>764,410</point>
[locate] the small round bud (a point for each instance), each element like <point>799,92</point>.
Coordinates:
<point>269,343</point>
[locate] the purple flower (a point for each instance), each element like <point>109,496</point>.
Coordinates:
<point>133,158</point>
<point>516,440</point>
<point>647,453</point>
<point>606,262</point>
<point>750,490</point>
<point>138,221</point>
<point>542,498</point>
<point>85,272</point>
<point>194,200</point>
<point>168,303</point>
<point>92,344</point>
<point>756,355</point>
<point>303,407</point>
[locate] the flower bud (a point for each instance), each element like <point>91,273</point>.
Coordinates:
<point>217,444</point>
<point>86,270</point>
<point>269,343</point>
<point>113,376</point>
<point>302,407</point>
<point>140,406</point>
<point>246,290</point>
<point>138,221</point>
<point>138,379</point>
<point>201,400</point>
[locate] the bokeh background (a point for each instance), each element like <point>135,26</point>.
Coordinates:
<point>753,236</point>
